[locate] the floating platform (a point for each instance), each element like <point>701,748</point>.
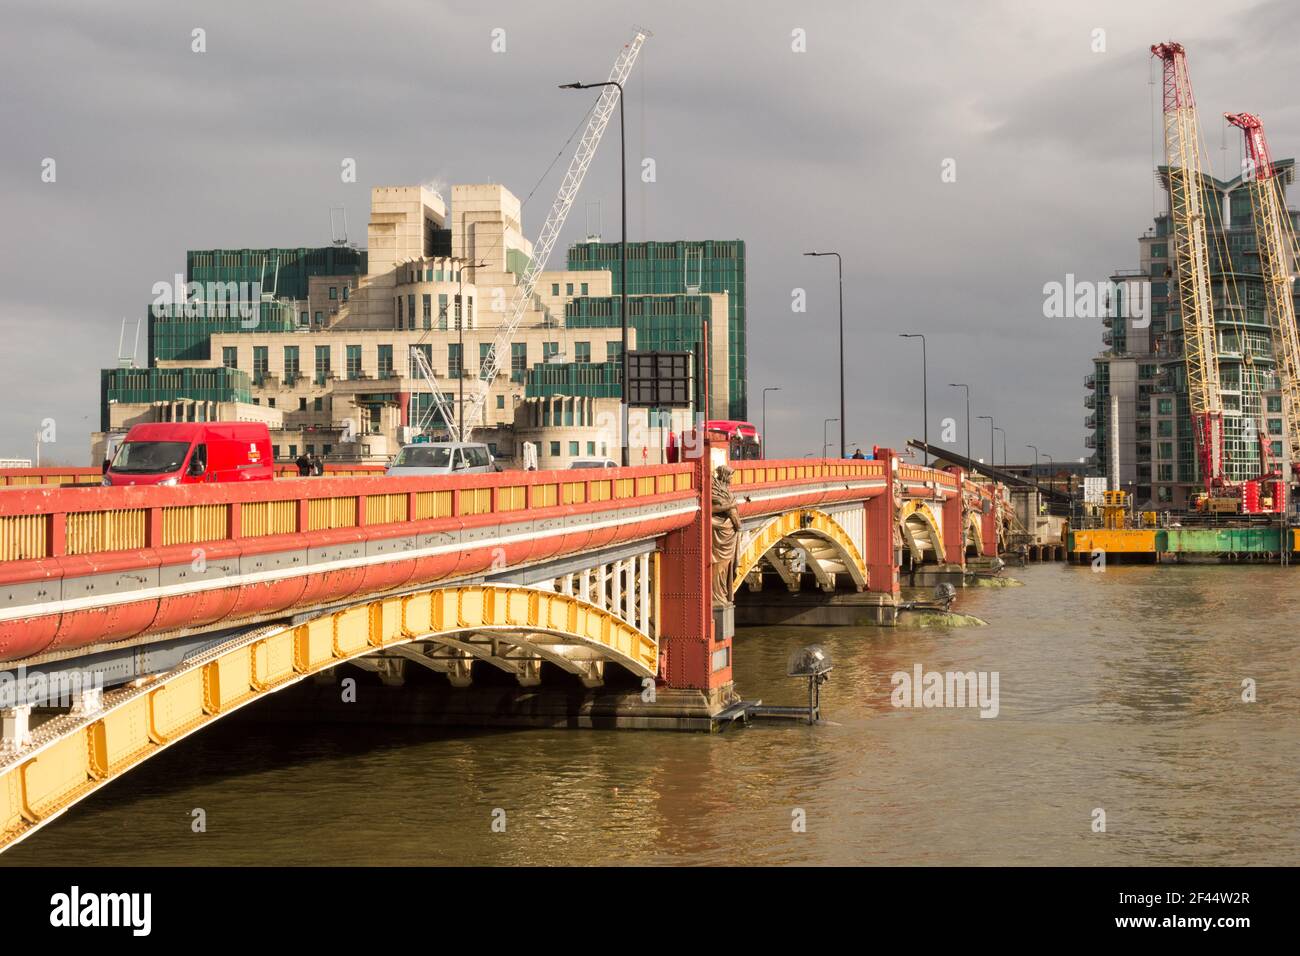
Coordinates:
<point>1221,544</point>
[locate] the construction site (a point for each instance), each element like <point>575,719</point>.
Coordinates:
<point>1207,378</point>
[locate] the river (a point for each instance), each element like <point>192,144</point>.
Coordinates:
<point>1119,691</point>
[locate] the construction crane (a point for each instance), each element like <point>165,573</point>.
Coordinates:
<point>1276,242</point>
<point>578,166</point>
<point>1192,264</point>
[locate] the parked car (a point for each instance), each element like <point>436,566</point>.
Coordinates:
<point>443,458</point>
<point>185,453</point>
<point>593,463</point>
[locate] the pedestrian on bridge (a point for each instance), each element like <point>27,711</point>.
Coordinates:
<point>304,465</point>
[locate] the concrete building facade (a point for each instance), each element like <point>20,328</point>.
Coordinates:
<point>326,348</point>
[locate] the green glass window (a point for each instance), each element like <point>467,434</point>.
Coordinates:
<point>385,361</point>
<point>290,363</point>
<point>582,352</point>
<point>259,363</point>
<point>454,366</point>
<point>555,449</point>
<point>230,356</point>
<point>354,361</point>
<point>428,310</point>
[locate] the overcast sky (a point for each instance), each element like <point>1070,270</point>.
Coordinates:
<point>160,149</point>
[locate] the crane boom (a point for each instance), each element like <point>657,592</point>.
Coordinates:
<point>1192,259</point>
<point>1276,241</point>
<point>550,233</point>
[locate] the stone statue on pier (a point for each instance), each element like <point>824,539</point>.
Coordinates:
<point>726,534</point>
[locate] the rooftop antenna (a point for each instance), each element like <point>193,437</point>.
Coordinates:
<point>337,238</point>
<point>593,235</point>
<point>125,360</point>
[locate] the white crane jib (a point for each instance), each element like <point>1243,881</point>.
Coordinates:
<point>550,233</point>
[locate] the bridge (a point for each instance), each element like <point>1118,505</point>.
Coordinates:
<point>131,617</point>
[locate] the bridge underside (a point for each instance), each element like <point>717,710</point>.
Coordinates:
<point>513,629</point>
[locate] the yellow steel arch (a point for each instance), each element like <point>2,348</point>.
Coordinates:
<point>803,523</point>
<point>917,510</point>
<point>72,756</point>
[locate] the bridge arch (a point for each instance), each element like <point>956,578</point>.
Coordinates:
<point>75,755</point>
<point>974,536</point>
<point>918,523</point>
<point>827,543</point>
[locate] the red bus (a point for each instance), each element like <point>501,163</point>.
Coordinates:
<point>746,444</point>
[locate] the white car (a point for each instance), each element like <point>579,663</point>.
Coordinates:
<point>593,463</point>
<point>443,458</point>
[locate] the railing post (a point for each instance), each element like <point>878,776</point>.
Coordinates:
<point>882,511</point>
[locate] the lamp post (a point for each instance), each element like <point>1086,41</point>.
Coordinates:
<point>825,441</point>
<point>967,387</point>
<point>840,265</point>
<point>1051,466</point>
<point>1035,448</point>
<point>622,284</point>
<point>1004,445</point>
<point>770,388</point>
<point>925,396</point>
<point>993,460</point>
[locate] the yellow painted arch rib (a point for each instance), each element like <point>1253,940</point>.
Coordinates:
<point>803,522</point>
<point>922,511</point>
<point>71,757</point>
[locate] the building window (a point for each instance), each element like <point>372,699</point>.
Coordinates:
<point>385,361</point>
<point>573,448</point>
<point>318,405</point>
<point>454,366</point>
<point>582,352</point>
<point>322,364</point>
<point>259,363</point>
<point>302,403</point>
<point>555,288</point>
<point>591,448</point>
<point>427,351</point>
<point>1164,406</point>
<point>230,356</point>
<point>457,325</point>
<point>568,288</point>
<point>442,312</point>
<point>555,449</point>
<point>334,292</point>
<point>613,351</point>
<point>518,361</point>
<point>1275,403</point>
<point>326,449</point>
<point>501,401</point>
<point>304,319</point>
<point>549,349</point>
<point>293,451</point>
<point>354,361</point>
<point>320,318</point>
<point>483,349</point>
<point>345,298</point>
<point>410,310</point>
<point>270,402</point>
<point>1275,426</point>
<point>401,320</point>
<point>275,451</point>
<point>290,363</point>
<point>428,311</point>
<point>584,288</point>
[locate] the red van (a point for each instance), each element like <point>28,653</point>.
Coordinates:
<point>184,453</point>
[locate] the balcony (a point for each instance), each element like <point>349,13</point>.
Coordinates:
<point>1108,337</point>
<point>1089,441</point>
<point>1090,401</point>
<point>1090,380</point>
<point>1090,421</point>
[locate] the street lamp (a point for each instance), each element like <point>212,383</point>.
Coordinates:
<point>925,396</point>
<point>840,265</point>
<point>1004,445</point>
<point>825,442</point>
<point>1035,448</point>
<point>993,459</point>
<point>770,388</point>
<point>1051,466</point>
<point>622,284</point>
<point>967,387</point>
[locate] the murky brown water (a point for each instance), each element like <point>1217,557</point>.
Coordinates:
<point>1119,690</point>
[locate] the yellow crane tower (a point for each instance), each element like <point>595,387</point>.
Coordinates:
<point>1276,240</point>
